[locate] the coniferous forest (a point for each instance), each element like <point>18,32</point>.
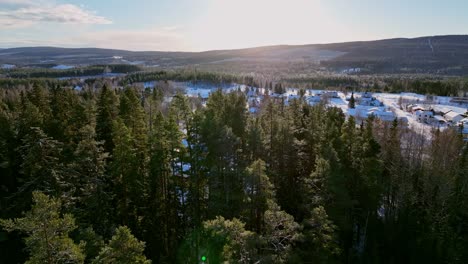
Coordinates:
<point>122,175</point>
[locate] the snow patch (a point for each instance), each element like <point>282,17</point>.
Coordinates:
<point>63,67</point>
<point>8,66</point>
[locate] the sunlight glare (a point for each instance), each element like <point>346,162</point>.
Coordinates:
<point>248,23</point>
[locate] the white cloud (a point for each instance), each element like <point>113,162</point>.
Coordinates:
<point>16,2</point>
<point>25,13</point>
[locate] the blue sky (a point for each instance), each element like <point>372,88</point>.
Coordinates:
<point>196,25</point>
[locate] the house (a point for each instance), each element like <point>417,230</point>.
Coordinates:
<point>453,117</point>
<point>424,116</point>
<point>459,100</point>
<point>413,108</point>
<point>366,101</point>
<point>331,94</point>
<point>314,99</point>
<point>293,96</point>
<point>439,120</point>
<point>358,113</point>
<point>384,116</point>
<point>366,95</point>
<point>464,122</point>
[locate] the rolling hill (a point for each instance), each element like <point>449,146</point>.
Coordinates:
<point>435,54</point>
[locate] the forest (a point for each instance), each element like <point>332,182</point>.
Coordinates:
<point>111,174</point>
<point>41,72</point>
<point>289,75</point>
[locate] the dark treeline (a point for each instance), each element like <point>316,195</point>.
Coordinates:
<point>74,72</point>
<point>121,176</point>
<point>189,75</point>
<point>421,85</point>
<point>13,84</point>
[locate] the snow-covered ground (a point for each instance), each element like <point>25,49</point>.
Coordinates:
<point>7,66</point>
<point>340,102</point>
<point>82,78</point>
<point>63,67</point>
<point>386,105</point>
<point>204,90</point>
<point>391,101</point>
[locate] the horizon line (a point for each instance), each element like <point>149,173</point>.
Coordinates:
<point>244,48</point>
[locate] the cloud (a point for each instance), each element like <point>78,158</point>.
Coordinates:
<point>25,13</point>
<point>16,2</point>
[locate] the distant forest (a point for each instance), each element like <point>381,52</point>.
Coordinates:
<point>119,174</point>
<point>131,74</point>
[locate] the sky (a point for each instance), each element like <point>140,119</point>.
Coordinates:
<point>199,25</point>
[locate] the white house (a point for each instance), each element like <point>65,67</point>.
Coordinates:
<point>424,116</point>
<point>453,117</point>
<point>382,115</point>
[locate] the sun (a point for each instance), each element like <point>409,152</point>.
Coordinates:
<point>248,23</point>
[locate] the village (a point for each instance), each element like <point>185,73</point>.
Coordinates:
<point>419,112</point>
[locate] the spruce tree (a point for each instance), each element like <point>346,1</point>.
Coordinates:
<point>352,101</point>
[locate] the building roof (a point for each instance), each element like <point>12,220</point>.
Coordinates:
<point>452,115</point>
<point>439,118</point>
<point>464,120</point>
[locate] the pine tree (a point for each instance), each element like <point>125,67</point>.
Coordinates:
<point>226,241</point>
<point>319,240</point>
<point>281,232</point>
<point>259,192</point>
<point>123,248</point>
<point>133,116</point>
<point>222,131</point>
<point>47,230</point>
<point>255,138</point>
<point>124,170</point>
<point>161,213</point>
<point>106,114</point>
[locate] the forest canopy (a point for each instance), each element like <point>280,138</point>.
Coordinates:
<point>121,174</point>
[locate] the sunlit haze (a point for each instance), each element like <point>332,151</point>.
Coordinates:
<point>220,24</point>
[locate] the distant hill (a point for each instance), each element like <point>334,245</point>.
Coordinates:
<point>437,54</point>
